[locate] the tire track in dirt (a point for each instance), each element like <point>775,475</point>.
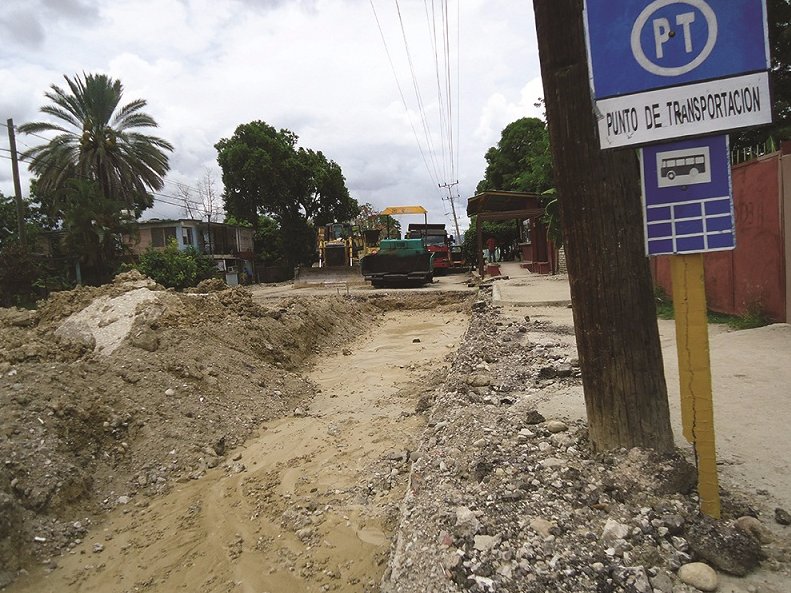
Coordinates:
<point>311,503</point>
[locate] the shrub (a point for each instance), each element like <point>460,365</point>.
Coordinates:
<point>755,316</point>
<point>205,266</point>
<point>18,273</point>
<point>174,268</point>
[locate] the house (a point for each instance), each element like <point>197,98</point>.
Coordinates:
<point>231,246</point>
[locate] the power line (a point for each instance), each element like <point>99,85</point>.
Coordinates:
<point>433,176</point>
<point>176,183</point>
<point>156,196</point>
<point>416,86</point>
<point>439,152</point>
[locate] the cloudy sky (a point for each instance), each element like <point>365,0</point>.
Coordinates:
<point>319,68</point>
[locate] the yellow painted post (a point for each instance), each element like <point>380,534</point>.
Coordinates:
<point>694,372</point>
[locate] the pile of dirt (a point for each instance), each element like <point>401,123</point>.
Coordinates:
<point>124,389</point>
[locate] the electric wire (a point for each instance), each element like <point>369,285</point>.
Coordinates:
<point>183,199</point>
<point>418,94</point>
<point>401,93</point>
<point>156,196</point>
<point>442,161</point>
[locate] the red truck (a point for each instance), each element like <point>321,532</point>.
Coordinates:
<point>437,242</point>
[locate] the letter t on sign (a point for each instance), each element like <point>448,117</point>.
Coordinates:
<point>685,20</point>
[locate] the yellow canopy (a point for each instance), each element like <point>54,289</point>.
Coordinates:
<point>394,210</point>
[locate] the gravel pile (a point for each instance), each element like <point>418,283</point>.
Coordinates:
<point>502,499</point>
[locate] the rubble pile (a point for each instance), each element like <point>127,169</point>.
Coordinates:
<point>504,500</point>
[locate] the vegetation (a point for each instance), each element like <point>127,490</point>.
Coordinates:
<point>19,271</point>
<point>92,177</point>
<point>779,19</point>
<point>369,218</point>
<point>504,232</point>
<point>93,226</point>
<point>98,141</point>
<point>750,319</point>
<point>175,268</point>
<point>521,161</point>
<point>664,305</point>
<point>265,174</point>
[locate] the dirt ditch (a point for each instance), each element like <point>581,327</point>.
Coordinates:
<point>160,441</point>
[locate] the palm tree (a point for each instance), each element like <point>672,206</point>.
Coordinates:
<point>97,142</point>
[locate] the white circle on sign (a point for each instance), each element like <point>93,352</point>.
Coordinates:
<point>637,29</point>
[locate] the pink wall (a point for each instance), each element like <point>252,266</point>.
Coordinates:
<point>755,272</point>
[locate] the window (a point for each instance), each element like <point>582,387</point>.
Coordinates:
<point>162,236</point>
<point>186,236</point>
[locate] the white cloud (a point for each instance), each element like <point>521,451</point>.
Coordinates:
<point>316,67</point>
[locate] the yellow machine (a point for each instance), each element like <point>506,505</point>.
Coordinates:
<point>370,241</point>
<point>336,245</point>
<point>339,247</point>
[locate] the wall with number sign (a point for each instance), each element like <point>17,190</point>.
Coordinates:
<point>757,272</point>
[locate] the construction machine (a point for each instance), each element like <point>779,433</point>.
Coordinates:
<point>399,261</point>
<point>437,242</point>
<point>338,246</point>
<point>370,241</point>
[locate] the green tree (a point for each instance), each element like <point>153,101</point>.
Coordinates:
<point>260,171</point>
<point>779,20</point>
<point>93,226</point>
<point>505,232</point>
<point>35,219</point>
<point>323,196</point>
<point>99,141</point>
<point>521,161</point>
<point>19,271</point>
<point>265,174</point>
<point>8,219</point>
<point>270,246</point>
<point>370,218</point>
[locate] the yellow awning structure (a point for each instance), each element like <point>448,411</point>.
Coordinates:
<point>395,210</point>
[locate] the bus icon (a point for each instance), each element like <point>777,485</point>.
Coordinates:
<point>683,167</point>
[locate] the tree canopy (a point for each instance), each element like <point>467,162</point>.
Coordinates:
<point>370,218</point>
<point>265,174</point>
<point>779,20</point>
<point>97,140</point>
<point>521,161</point>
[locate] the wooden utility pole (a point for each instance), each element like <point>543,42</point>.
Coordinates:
<point>20,211</point>
<point>611,289</point>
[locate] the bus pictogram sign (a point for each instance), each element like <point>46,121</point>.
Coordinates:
<point>683,167</point>
<point>688,206</point>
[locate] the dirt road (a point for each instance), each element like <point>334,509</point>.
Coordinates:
<point>308,505</point>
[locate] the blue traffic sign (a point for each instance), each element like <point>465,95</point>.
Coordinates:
<point>687,197</point>
<point>641,45</point>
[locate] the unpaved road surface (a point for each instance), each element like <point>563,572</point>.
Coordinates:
<point>271,441</point>
<point>308,505</point>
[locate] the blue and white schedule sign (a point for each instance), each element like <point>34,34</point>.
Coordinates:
<point>688,206</point>
<point>666,69</point>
